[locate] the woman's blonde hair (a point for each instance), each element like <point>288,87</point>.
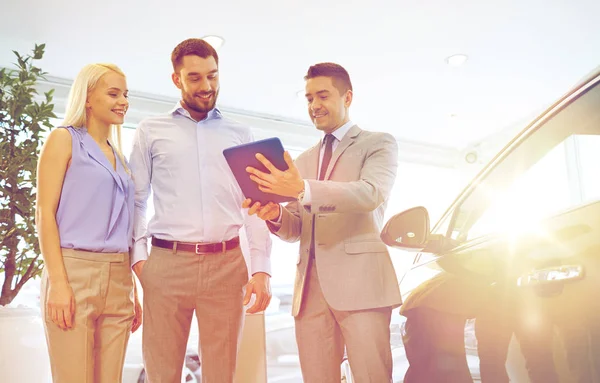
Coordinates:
<point>75,114</point>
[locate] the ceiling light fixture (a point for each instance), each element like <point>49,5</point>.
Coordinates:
<point>471,157</point>
<point>457,60</point>
<point>214,40</point>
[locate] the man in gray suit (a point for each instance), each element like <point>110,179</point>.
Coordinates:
<point>345,286</point>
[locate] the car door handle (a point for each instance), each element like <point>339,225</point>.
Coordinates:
<point>551,275</point>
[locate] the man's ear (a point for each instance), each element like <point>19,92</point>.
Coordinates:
<point>348,98</point>
<point>176,77</point>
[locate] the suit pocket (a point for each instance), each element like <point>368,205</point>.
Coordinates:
<point>364,247</point>
<point>146,270</point>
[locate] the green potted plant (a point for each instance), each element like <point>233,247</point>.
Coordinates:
<point>23,123</point>
<point>24,120</point>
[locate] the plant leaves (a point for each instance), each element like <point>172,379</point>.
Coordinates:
<point>22,124</point>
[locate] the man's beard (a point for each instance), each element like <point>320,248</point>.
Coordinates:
<point>199,106</point>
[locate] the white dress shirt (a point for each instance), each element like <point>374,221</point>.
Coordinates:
<point>196,197</point>
<point>338,134</point>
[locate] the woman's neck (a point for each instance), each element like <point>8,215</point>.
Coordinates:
<point>99,131</point>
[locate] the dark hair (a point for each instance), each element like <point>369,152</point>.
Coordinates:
<point>197,47</point>
<point>339,75</point>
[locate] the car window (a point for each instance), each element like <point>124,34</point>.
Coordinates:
<point>547,169</point>
<point>589,149</point>
<point>540,192</point>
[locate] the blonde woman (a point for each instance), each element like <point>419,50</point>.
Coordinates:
<point>84,217</point>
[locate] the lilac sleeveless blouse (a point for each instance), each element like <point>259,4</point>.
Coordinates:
<point>95,212</point>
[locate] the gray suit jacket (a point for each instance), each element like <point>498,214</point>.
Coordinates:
<point>354,266</point>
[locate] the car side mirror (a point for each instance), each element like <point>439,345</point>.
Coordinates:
<point>407,230</point>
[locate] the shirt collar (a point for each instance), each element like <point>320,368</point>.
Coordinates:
<point>340,132</point>
<point>213,114</point>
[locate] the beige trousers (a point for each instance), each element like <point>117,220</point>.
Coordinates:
<point>93,351</point>
<point>322,334</point>
<point>174,286</point>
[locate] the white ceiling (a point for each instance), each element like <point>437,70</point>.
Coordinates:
<point>523,53</point>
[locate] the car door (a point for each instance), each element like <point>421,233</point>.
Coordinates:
<point>523,240</point>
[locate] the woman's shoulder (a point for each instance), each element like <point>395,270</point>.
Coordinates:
<point>76,132</point>
<point>58,144</point>
<point>68,134</point>
<point>60,135</point>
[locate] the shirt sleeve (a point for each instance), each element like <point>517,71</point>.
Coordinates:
<point>277,223</point>
<point>259,238</point>
<point>140,162</point>
<point>259,241</point>
<point>306,198</point>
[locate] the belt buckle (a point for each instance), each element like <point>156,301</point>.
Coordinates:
<point>224,243</point>
<point>198,249</point>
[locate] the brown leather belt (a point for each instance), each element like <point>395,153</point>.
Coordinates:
<point>198,248</point>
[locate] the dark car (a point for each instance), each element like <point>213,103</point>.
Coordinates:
<point>517,254</point>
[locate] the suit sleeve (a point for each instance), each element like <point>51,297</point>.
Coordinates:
<point>373,188</point>
<point>290,227</point>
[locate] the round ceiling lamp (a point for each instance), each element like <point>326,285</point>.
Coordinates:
<point>214,40</point>
<point>457,60</point>
<point>471,157</point>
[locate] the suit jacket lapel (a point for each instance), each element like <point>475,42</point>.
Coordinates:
<point>347,140</point>
<point>312,159</point>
